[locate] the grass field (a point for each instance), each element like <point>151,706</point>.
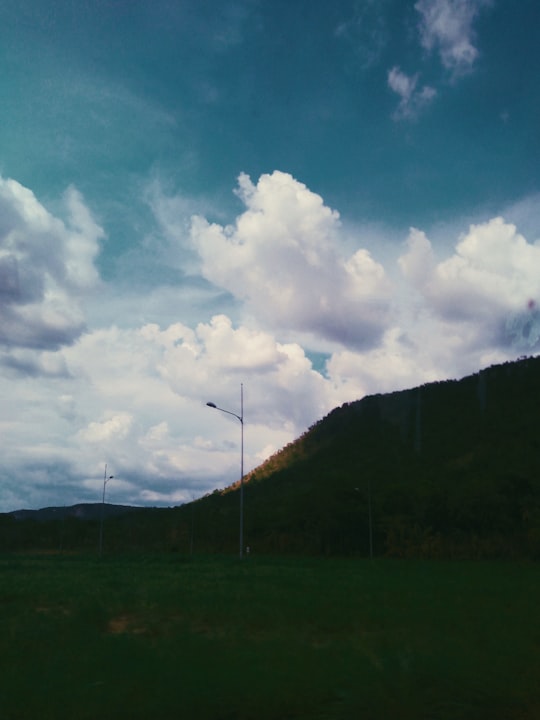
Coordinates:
<point>267,639</point>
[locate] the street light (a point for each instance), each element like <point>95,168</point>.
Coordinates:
<point>241,418</point>
<point>105,481</point>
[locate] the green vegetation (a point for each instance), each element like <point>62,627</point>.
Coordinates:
<point>453,469</point>
<point>215,638</point>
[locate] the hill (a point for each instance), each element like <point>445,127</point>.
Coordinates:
<point>448,469</point>
<point>81,511</point>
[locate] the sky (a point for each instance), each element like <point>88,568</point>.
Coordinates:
<point>315,201</point>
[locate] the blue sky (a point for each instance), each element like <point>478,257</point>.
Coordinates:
<point>320,200</point>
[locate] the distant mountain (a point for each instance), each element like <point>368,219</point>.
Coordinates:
<point>81,511</point>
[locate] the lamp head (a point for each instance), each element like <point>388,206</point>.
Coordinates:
<point>211,404</point>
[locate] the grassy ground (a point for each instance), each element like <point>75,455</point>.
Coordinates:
<point>267,639</point>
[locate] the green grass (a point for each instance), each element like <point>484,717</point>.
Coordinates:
<point>267,639</point>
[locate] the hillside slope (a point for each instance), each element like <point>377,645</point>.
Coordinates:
<point>450,468</point>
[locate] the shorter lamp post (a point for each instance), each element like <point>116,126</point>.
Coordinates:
<point>241,418</point>
<point>105,481</point>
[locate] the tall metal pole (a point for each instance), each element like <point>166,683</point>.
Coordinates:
<point>241,470</point>
<point>241,418</point>
<point>105,480</point>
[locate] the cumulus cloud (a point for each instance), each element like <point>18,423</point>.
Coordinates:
<point>29,363</point>
<point>45,267</point>
<point>447,26</point>
<point>412,100</point>
<point>136,399</point>
<point>400,362</point>
<point>491,284</point>
<point>214,357</point>
<point>282,258</point>
<point>114,429</point>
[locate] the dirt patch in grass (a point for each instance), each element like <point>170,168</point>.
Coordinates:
<point>126,624</point>
<point>48,610</point>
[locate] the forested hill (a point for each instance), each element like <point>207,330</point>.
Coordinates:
<point>452,414</point>
<point>449,469</point>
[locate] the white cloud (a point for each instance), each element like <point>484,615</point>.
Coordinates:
<point>282,258</point>
<point>31,363</point>
<point>397,364</point>
<point>490,285</point>
<point>412,100</point>
<point>447,25</point>
<point>110,430</point>
<point>213,359</point>
<point>46,266</point>
<point>137,400</point>
<point>418,263</point>
<point>478,306</point>
<point>134,394</point>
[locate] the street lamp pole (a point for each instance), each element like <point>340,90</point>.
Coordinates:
<point>105,481</point>
<point>241,418</point>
